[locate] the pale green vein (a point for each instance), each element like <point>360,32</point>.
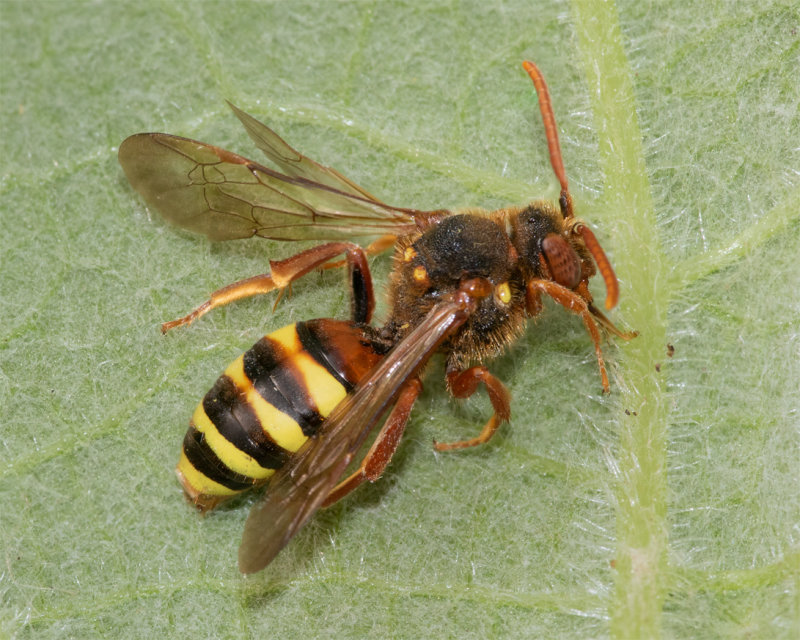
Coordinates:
<point>753,236</point>
<point>355,61</point>
<point>576,475</point>
<point>487,182</point>
<point>24,321</point>
<point>184,19</point>
<point>692,580</point>
<point>513,50</point>
<point>641,484</point>
<point>72,442</point>
<point>94,606</point>
<point>585,606</point>
<point>478,181</point>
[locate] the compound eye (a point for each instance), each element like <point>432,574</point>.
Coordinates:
<point>564,263</point>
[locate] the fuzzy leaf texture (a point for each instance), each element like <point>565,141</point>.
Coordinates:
<point>668,508</point>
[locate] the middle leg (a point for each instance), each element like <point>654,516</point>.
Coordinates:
<point>382,450</point>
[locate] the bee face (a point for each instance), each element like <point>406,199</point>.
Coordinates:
<point>529,227</point>
<point>549,246</point>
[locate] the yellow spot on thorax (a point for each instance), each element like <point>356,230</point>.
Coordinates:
<point>503,293</point>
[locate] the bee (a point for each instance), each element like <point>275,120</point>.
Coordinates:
<point>294,410</point>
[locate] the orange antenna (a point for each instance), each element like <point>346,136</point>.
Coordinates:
<point>551,132</point>
<point>606,270</point>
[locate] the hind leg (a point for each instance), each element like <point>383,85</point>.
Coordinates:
<point>284,272</point>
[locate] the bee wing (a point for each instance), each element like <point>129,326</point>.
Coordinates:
<point>292,162</point>
<point>299,488</point>
<point>225,196</point>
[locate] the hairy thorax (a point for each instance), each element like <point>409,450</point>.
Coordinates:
<point>430,266</point>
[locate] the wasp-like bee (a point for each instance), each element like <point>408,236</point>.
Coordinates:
<point>295,409</point>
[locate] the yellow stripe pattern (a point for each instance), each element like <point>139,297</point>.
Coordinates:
<point>235,459</point>
<point>283,429</point>
<point>197,484</point>
<point>325,391</point>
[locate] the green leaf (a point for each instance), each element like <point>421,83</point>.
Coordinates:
<point>668,508</point>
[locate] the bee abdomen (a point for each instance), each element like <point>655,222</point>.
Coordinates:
<point>267,403</point>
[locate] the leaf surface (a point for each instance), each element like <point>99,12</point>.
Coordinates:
<point>668,508</point>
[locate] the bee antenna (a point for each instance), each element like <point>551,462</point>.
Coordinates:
<point>609,277</point>
<point>549,120</point>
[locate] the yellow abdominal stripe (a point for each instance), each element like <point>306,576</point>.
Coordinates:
<point>326,390</point>
<point>288,339</point>
<point>235,459</point>
<point>283,429</point>
<point>198,484</point>
<point>322,388</point>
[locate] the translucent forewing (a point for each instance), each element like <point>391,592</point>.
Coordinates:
<point>292,162</point>
<point>299,488</point>
<point>225,196</point>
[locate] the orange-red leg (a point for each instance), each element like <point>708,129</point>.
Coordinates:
<point>610,326</point>
<point>577,304</point>
<point>533,302</point>
<point>382,450</point>
<point>284,272</point>
<point>374,248</point>
<point>462,384</point>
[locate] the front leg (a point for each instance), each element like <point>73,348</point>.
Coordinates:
<point>462,384</point>
<point>284,272</point>
<point>577,304</point>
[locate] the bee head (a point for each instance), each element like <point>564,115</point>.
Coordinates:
<point>554,245</point>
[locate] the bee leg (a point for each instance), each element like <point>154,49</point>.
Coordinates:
<point>382,450</point>
<point>362,296</point>
<point>533,302</point>
<point>378,246</point>
<point>284,272</point>
<point>462,384</point>
<point>609,326</point>
<point>574,302</point>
